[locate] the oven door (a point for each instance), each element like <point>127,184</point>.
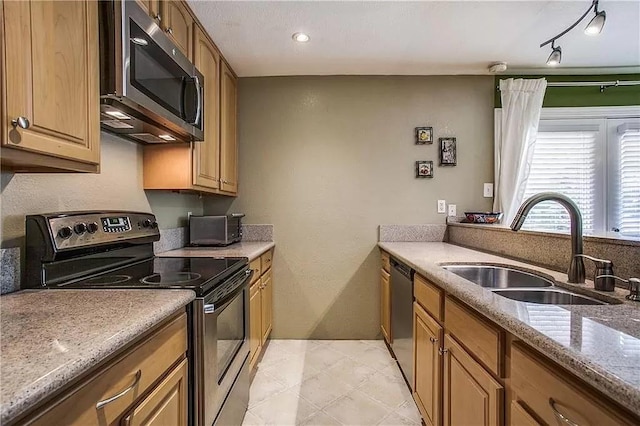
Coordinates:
<point>153,77</point>
<point>221,350</point>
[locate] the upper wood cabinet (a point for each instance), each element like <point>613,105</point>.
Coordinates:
<point>177,23</point>
<point>228,134</point>
<point>50,79</point>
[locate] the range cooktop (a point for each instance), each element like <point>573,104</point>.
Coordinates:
<point>200,274</point>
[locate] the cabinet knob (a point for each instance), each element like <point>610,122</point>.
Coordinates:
<point>170,30</point>
<point>22,122</point>
<point>157,17</point>
<point>433,339</point>
<point>442,351</point>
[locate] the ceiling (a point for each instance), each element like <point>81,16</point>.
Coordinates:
<point>417,38</point>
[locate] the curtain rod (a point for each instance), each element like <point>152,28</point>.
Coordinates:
<point>603,84</point>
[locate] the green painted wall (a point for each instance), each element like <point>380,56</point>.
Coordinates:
<point>583,96</point>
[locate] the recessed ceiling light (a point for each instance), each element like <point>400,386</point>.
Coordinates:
<point>301,37</point>
<point>167,137</point>
<point>119,115</point>
<point>139,41</point>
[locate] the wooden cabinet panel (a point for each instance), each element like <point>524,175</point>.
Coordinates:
<point>152,7</point>
<point>483,339</point>
<point>385,260</point>
<point>137,371</point>
<point>429,296</point>
<point>178,24</point>
<point>265,260</point>
<point>257,270</point>
<point>255,322</point>
<point>228,134</point>
<point>518,416</point>
<point>385,306</point>
<point>471,395</point>
<point>206,154</point>
<point>427,385</point>
<point>51,79</point>
<point>167,403</point>
<point>266,305</point>
<point>539,386</point>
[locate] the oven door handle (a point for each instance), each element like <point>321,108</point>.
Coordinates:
<point>213,308</point>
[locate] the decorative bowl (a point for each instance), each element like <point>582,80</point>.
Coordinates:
<point>483,217</point>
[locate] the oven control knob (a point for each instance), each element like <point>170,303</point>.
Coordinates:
<point>92,227</point>
<point>80,228</point>
<point>65,232</point>
<point>146,223</point>
<point>154,224</point>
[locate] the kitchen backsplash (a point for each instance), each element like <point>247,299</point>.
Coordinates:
<point>9,270</point>
<point>412,233</point>
<point>257,232</point>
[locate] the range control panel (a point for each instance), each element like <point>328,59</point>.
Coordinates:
<point>87,229</point>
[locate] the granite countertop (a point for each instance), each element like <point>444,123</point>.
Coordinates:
<point>250,249</point>
<point>50,337</point>
<point>598,343</point>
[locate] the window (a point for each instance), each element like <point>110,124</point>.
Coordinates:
<point>596,163</point>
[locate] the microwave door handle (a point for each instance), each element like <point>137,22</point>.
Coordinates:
<point>198,99</point>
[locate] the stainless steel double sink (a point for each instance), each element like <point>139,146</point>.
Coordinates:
<point>520,285</point>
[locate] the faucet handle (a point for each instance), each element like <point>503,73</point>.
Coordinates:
<point>634,286</point>
<point>600,263</point>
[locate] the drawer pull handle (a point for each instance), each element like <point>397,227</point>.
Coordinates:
<point>104,402</point>
<point>561,418</point>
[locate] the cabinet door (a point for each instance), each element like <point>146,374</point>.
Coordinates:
<point>228,123</point>
<point>267,305</point>
<point>385,305</point>
<point>152,7</point>
<point>52,81</point>
<point>471,395</point>
<point>255,321</point>
<point>206,154</point>
<point>166,404</point>
<point>178,24</point>
<point>519,416</point>
<point>427,388</point>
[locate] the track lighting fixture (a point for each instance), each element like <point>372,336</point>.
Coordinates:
<point>593,28</point>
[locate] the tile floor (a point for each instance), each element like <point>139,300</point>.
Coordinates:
<point>329,382</point>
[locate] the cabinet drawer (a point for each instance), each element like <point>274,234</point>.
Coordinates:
<point>266,260</point>
<point>256,268</point>
<point>386,264</point>
<point>430,297</point>
<point>483,339</point>
<point>540,384</point>
<point>138,370</point>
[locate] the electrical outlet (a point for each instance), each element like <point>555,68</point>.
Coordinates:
<point>442,206</point>
<point>488,190</point>
<point>452,209</point>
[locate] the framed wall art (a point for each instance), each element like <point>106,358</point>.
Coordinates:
<point>448,152</point>
<point>424,169</point>
<point>424,135</point>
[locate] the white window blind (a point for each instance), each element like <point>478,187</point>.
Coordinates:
<point>564,162</point>
<point>628,202</point>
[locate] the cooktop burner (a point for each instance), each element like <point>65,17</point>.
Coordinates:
<point>171,278</point>
<point>200,274</point>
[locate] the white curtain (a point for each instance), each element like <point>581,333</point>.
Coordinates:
<point>515,138</point>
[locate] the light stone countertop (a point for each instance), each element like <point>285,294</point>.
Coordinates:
<point>50,337</point>
<point>598,343</point>
<point>248,249</point>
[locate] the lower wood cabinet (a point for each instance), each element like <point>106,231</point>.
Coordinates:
<point>427,386</point>
<point>145,385</point>
<point>260,306</point>
<point>471,395</point>
<point>166,405</point>
<point>385,305</point>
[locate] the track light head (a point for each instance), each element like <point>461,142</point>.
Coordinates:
<point>597,22</point>
<point>556,56</point>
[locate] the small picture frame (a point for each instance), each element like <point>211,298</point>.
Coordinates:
<point>448,152</point>
<point>424,169</point>
<point>424,135</point>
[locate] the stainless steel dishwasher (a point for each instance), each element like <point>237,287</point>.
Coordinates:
<point>402,317</point>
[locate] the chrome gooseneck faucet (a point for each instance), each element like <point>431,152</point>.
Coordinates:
<point>576,272</point>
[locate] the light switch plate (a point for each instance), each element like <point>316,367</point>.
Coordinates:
<point>488,190</point>
<point>442,206</point>
<point>452,209</point>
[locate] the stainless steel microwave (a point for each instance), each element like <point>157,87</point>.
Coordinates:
<point>215,230</point>
<point>149,90</point>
